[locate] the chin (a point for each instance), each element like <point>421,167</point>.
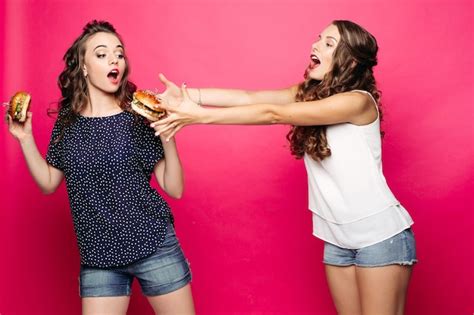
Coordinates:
<point>315,76</point>
<point>111,90</point>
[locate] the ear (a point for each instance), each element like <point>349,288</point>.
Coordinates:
<point>84,71</point>
<point>353,64</point>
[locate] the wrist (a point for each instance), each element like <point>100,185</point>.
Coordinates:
<point>203,116</point>
<point>26,140</point>
<point>167,143</point>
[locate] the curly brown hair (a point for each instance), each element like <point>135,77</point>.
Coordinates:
<point>353,61</point>
<point>72,82</point>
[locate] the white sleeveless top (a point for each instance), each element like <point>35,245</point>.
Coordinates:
<point>351,202</point>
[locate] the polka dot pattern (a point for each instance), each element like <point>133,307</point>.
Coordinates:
<point>107,163</point>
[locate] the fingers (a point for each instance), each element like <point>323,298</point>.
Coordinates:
<point>184,91</point>
<point>165,129</point>
<point>162,122</point>
<point>163,79</point>
<point>29,117</point>
<point>174,132</point>
<point>163,105</point>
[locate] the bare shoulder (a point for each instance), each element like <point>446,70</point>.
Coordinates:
<point>293,90</point>
<point>358,99</point>
<point>360,104</point>
<point>364,106</point>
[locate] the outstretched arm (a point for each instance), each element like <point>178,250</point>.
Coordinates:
<point>352,107</point>
<point>227,97</point>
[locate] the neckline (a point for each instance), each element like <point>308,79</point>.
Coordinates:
<point>100,117</point>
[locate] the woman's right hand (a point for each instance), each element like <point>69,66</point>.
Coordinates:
<point>20,131</point>
<point>172,95</point>
<point>186,113</point>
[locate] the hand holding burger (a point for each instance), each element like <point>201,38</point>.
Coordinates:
<point>144,103</point>
<point>18,117</point>
<point>18,106</point>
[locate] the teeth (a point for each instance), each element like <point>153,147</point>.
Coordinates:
<point>114,73</point>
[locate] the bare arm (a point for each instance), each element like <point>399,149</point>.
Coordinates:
<point>168,171</point>
<point>46,176</point>
<point>232,97</point>
<point>351,107</point>
<point>227,97</point>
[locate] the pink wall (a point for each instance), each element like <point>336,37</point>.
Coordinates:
<point>243,221</point>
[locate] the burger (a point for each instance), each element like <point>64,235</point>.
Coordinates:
<point>18,106</point>
<point>144,103</point>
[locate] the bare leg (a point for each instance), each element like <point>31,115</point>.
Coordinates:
<point>383,289</point>
<point>116,305</point>
<point>179,302</point>
<point>344,290</point>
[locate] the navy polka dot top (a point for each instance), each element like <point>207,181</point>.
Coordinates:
<point>107,163</point>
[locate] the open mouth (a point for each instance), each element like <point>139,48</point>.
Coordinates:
<point>314,61</point>
<point>113,75</point>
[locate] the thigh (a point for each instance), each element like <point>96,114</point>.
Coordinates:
<point>342,283</point>
<point>383,289</point>
<point>98,282</point>
<point>399,249</point>
<point>165,271</point>
<point>116,305</point>
<point>177,302</point>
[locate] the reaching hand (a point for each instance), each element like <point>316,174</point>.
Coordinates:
<point>172,95</point>
<point>20,130</point>
<point>184,114</point>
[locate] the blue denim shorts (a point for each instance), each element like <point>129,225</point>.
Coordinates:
<point>165,271</point>
<point>400,249</point>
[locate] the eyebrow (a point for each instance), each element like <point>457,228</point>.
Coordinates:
<point>331,37</point>
<point>105,46</point>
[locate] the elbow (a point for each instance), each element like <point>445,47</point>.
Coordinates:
<point>273,117</point>
<point>48,190</point>
<point>176,195</point>
<point>272,114</point>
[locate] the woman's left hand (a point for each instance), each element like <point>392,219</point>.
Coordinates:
<point>184,114</point>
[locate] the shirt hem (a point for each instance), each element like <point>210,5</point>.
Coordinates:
<point>369,244</point>
<point>358,219</point>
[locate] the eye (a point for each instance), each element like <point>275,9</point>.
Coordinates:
<point>120,56</point>
<point>329,45</point>
<point>100,56</point>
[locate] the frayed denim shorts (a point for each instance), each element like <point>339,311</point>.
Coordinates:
<point>400,249</point>
<point>165,271</point>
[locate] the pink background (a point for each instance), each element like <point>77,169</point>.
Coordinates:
<point>243,221</point>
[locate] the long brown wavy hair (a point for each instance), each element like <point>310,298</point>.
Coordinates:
<point>353,61</point>
<point>72,82</point>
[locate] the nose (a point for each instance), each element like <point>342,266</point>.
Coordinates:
<point>315,46</point>
<point>114,60</point>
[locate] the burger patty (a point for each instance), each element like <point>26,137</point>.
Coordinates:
<point>18,108</point>
<point>150,111</point>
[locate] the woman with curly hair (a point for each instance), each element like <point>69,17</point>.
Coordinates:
<point>335,113</point>
<point>107,155</point>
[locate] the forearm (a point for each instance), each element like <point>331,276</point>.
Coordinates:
<point>236,97</point>
<point>220,97</point>
<point>260,114</point>
<point>37,165</point>
<point>173,181</point>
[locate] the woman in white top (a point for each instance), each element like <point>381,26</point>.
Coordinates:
<point>369,246</point>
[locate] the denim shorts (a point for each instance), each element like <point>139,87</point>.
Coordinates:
<point>165,271</point>
<point>400,249</point>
